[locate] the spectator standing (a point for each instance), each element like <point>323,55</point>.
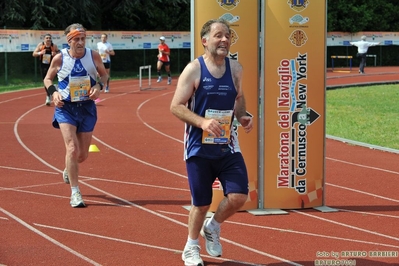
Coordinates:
<point>362,48</point>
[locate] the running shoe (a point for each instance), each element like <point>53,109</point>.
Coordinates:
<point>212,240</point>
<point>169,80</point>
<point>106,89</point>
<point>191,256</point>
<point>159,79</point>
<point>65,176</point>
<point>77,201</point>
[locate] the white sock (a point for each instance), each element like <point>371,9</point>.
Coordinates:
<point>212,223</point>
<point>192,242</point>
<point>75,189</point>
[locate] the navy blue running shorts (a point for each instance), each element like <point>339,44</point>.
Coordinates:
<point>230,170</point>
<point>83,115</point>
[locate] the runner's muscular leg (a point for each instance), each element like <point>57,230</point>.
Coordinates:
<point>84,140</point>
<point>229,206</point>
<point>159,65</point>
<point>196,218</point>
<point>72,151</point>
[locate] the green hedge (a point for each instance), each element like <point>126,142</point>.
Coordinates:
<point>20,68</point>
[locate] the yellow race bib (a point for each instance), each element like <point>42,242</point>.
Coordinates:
<point>224,118</point>
<point>79,88</point>
<point>46,58</point>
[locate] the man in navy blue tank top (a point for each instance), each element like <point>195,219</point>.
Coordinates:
<point>207,98</point>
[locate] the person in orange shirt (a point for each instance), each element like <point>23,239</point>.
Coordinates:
<point>46,50</point>
<point>163,59</point>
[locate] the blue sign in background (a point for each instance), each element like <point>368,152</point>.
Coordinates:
<point>147,45</point>
<point>24,47</point>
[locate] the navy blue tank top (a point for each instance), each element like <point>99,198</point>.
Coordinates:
<point>216,94</point>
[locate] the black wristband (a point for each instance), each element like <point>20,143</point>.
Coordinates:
<point>51,89</point>
<point>101,86</point>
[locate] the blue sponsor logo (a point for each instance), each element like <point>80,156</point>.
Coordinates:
<point>186,45</point>
<point>147,45</point>
<point>24,47</point>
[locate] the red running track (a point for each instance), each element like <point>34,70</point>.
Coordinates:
<point>136,187</point>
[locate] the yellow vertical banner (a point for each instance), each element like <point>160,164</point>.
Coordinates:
<point>243,18</point>
<point>294,119</point>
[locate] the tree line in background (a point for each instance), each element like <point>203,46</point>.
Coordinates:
<point>138,15</point>
<point>173,15</point>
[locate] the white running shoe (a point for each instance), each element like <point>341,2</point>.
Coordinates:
<point>212,240</point>
<point>191,256</point>
<point>106,89</point>
<point>48,100</point>
<point>77,201</point>
<point>159,79</point>
<point>169,80</point>
<point>65,176</point>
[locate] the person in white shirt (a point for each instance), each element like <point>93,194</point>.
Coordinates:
<point>105,50</point>
<point>362,47</point>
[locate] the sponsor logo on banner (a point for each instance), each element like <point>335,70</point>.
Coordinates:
<point>298,19</point>
<point>298,5</point>
<point>230,18</point>
<point>233,37</point>
<point>298,38</point>
<point>228,4</point>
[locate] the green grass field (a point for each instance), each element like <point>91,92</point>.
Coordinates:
<point>364,114</point>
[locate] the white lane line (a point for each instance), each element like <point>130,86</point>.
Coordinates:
<point>370,213</point>
<point>87,178</point>
<point>363,192</point>
<point>52,240</point>
<point>294,231</point>
<point>185,225</point>
<point>364,166</point>
<point>62,197</point>
<point>147,125</point>
<point>21,97</point>
<point>347,225</point>
<point>123,200</point>
<point>139,160</point>
<point>133,242</point>
<point>171,138</point>
<point>27,170</point>
<point>23,144</point>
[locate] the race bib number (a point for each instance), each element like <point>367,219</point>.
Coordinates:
<point>104,57</point>
<point>46,59</point>
<point>79,88</point>
<point>224,118</point>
